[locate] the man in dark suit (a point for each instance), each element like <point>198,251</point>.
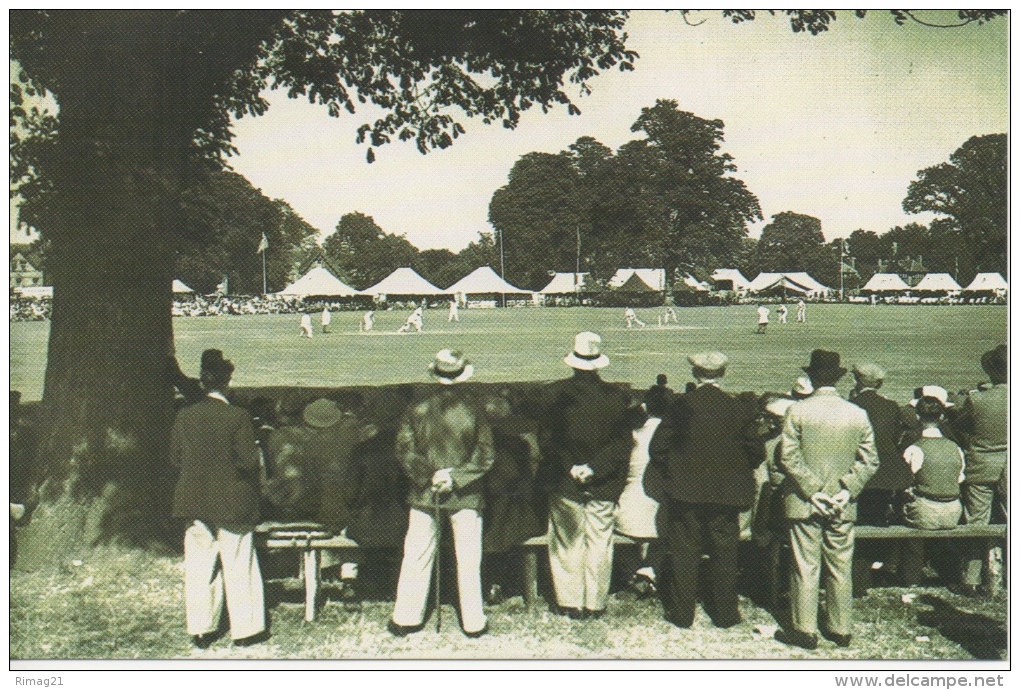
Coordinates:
<point>879,503</point>
<point>586,444</point>
<point>701,470</point>
<point>213,443</point>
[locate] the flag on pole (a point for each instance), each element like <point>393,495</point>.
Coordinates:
<point>263,245</point>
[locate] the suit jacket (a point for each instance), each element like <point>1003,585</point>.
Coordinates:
<point>584,422</point>
<point>446,432</point>
<point>705,450</point>
<point>828,445</point>
<point>888,423</point>
<point>213,444</point>
<point>982,419</point>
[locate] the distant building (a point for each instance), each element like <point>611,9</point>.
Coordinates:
<point>23,268</point>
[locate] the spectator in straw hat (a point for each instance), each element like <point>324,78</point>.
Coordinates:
<point>585,443</point>
<point>701,469</point>
<point>213,443</point>
<point>445,446</point>
<point>982,417</point>
<point>879,503</point>
<point>828,456</point>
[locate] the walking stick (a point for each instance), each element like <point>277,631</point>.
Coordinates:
<point>439,533</point>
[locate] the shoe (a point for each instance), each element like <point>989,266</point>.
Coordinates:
<point>727,622</point>
<point>840,640</point>
<point>795,638</point>
<point>642,586</point>
<point>572,614</point>
<point>593,614</point>
<point>203,641</point>
<point>403,630</point>
<point>684,625</point>
<point>252,639</point>
<point>478,633</point>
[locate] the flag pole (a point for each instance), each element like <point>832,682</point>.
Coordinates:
<point>263,273</point>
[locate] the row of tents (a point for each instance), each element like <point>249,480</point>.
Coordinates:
<point>320,282</point>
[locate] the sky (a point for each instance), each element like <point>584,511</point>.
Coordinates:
<point>834,126</point>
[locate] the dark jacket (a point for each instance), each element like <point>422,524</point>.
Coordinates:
<point>584,422</point>
<point>706,449</point>
<point>446,431</point>
<point>213,443</point>
<point>379,488</point>
<point>511,516</point>
<point>889,423</point>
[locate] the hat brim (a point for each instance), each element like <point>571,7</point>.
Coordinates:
<point>838,371</point>
<point>575,362</point>
<point>913,403</point>
<point>468,372</point>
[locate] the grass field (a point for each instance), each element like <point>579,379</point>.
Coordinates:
<point>916,344</point>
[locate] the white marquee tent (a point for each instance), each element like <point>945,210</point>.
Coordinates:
<point>180,288</point>
<point>937,282</point>
<point>796,282</point>
<point>984,282</point>
<point>731,275</point>
<point>485,281</point>
<point>885,282</point>
<point>566,284</point>
<point>694,284</point>
<point>404,281</point>
<point>319,282</point>
<point>655,278</point>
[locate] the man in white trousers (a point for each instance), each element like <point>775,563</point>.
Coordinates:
<point>213,443</point>
<point>445,447</point>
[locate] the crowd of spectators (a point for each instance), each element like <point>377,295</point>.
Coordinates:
<point>30,309</point>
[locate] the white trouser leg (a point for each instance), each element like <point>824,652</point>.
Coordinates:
<point>415,569</point>
<point>243,583</point>
<point>598,558</point>
<point>467,541</point>
<point>567,551</point>
<point>203,590</point>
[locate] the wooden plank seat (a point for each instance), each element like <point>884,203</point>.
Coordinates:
<point>311,539</point>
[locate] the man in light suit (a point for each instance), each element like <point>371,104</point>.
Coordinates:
<point>213,443</point>
<point>828,455</point>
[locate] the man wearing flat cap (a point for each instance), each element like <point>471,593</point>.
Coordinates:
<point>828,457</point>
<point>982,419</point>
<point>880,501</point>
<point>701,470</point>
<point>586,442</point>
<point>213,444</point>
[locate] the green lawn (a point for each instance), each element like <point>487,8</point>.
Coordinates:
<point>916,344</point>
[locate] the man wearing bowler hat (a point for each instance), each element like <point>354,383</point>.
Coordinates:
<point>701,470</point>
<point>213,443</point>
<point>586,444</point>
<point>828,457</point>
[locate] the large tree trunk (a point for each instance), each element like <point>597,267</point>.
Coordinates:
<point>107,399</point>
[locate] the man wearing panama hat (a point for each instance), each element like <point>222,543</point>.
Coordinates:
<point>586,443</point>
<point>703,458</point>
<point>445,447</point>
<point>828,457</point>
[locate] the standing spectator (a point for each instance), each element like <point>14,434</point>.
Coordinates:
<point>213,443</point>
<point>828,456</point>
<point>763,318</point>
<point>801,311</point>
<point>982,418</point>
<point>306,325</point>
<point>701,470</point>
<point>327,319</point>
<point>879,503</point>
<point>445,446</point>
<point>635,517</point>
<point>586,448</point>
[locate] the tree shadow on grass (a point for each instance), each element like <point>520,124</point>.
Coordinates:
<point>983,637</point>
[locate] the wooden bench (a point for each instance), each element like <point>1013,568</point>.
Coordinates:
<point>311,539</point>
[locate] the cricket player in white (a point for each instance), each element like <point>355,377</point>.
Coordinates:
<point>763,318</point>
<point>367,321</point>
<point>782,311</point>
<point>801,312</point>
<point>306,325</point>
<point>632,318</point>
<point>454,312</point>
